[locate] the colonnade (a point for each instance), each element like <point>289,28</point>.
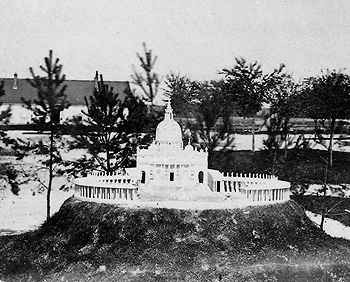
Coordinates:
<point>228,186</point>
<point>267,195</point>
<point>250,175</point>
<point>252,187</point>
<point>105,193</point>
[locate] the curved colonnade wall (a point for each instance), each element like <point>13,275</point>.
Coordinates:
<point>114,187</point>
<point>252,187</point>
<point>106,187</point>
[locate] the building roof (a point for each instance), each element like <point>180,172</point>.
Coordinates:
<point>76,90</point>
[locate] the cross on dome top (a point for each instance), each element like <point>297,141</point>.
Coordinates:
<point>169,110</point>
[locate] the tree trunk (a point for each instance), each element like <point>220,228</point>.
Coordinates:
<point>322,219</point>
<point>330,147</point>
<point>253,139</point>
<point>285,129</point>
<point>108,160</point>
<point>323,214</point>
<point>49,188</point>
<point>108,155</point>
<point>274,161</point>
<point>150,88</point>
<point>286,147</point>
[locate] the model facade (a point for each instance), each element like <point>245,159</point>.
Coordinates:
<point>168,171</point>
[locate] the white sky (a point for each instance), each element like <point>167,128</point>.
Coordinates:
<point>197,37</point>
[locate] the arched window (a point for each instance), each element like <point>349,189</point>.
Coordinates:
<point>201,177</point>
<point>143,177</point>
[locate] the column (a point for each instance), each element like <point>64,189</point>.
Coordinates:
<point>125,193</point>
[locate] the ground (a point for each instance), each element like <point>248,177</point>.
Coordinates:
<point>94,242</point>
<point>254,253</point>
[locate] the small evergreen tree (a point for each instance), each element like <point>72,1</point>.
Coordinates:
<point>5,113</point>
<point>46,108</point>
<point>110,128</point>
<point>7,171</point>
<point>147,79</point>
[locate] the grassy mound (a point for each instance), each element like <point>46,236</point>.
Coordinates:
<point>162,244</point>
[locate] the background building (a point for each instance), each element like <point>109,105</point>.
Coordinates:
<point>16,88</point>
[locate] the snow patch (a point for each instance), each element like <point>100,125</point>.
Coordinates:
<point>342,190</point>
<point>27,211</point>
<point>332,227</point>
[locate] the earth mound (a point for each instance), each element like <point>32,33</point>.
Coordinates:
<point>85,241</point>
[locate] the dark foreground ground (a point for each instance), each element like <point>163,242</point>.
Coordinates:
<point>98,242</point>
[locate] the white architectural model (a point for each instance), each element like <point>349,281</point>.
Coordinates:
<point>167,171</point>
<point>167,164</point>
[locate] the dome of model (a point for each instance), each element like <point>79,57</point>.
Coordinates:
<point>169,131</point>
<point>189,147</point>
